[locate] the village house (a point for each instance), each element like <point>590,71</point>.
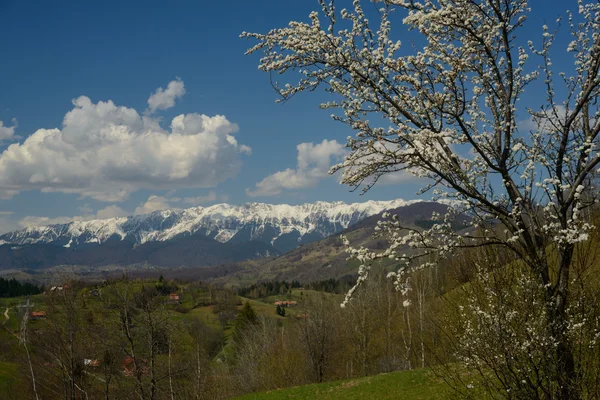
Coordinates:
<point>128,366</point>
<point>91,363</point>
<point>35,315</point>
<point>174,298</point>
<point>286,303</point>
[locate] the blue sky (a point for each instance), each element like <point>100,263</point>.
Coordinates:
<point>55,52</point>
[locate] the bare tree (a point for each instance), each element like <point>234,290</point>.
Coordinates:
<point>422,283</point>
<point>119,298</point>
<point>24,339</point>
<point>317,336</point>
<point>62,341</point>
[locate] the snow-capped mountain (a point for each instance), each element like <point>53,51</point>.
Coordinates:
<point>283,226</point>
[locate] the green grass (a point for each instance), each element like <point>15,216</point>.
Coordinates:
<point>8,377</point>
<point>407,385</point>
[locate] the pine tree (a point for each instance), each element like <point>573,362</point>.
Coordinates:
<point>280,311</point>
<point>246,318</point>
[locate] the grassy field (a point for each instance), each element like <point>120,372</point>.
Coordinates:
<point>406,385</point>
<point>8,377</point>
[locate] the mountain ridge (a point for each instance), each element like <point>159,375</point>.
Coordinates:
<point>283,226</point>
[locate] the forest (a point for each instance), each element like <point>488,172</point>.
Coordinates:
<point>14,288</point>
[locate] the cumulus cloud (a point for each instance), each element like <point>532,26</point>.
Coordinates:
<point>154,203</point>
<point>106,152</point>
<point>313,163</point>
<point>111,212</point>
<point>7,132</point>
<point>88,214</point>
<point>164,99</point>
<point>159,203</point>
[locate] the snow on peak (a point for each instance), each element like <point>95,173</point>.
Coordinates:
<point>223,222</point>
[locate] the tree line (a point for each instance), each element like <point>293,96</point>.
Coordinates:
<point>274,288</point>
<point>14,288</point>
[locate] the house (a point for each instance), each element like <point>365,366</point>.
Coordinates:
<point>128,366</point>
<point>91,362</point>
<point>286,303</point>
<point>174,298</point>
<point>35,315</point>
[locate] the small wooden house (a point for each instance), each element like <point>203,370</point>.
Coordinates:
<point>35,315</point>
<point>174,298</point>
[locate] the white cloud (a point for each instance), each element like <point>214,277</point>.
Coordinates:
<point>7,132</point>
<point>395,178</point>
<point>154,203</point>
<point>106,212</point>
<point>550,120</point>
<point>313,163</point>
<point>163,99</point>
<point>111,212</point>
<point>86,209</point>
<point>106,152</point>
<point>159,203</point>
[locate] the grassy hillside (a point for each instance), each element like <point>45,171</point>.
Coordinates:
<point>8,377</point>
<point>406,385</point>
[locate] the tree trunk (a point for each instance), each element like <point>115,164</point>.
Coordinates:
<point>564,351</point>
<point>557,320</point>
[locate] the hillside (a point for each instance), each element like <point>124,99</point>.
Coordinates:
<point>327,258</point>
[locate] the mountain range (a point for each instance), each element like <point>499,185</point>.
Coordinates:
<point>198,236</point>
<point>327,258</point>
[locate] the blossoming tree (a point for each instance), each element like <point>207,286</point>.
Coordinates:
<point>450,112</point>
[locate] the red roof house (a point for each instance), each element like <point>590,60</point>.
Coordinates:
<point>286,303</point>
<point>37,315</point>
<point>128,366</point>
